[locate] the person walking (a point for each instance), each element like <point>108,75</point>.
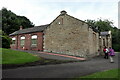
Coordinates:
<point>111,54</point>
<point>105,50</point>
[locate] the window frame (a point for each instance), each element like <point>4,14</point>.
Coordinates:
<point>22,41</point>
<point>13,41</point>
<point>34,40</point>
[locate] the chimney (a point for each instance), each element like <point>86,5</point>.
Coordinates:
<point>63,12</point>
<point>21,27</point>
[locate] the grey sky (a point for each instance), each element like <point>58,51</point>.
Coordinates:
<point>42,12</point>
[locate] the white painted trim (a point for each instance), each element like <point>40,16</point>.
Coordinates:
<point>14,38</point>
<point>34,37</point>
<point>109,32</point>
<point>22,37</point>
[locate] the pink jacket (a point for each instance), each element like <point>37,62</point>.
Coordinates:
<point>111,52</point>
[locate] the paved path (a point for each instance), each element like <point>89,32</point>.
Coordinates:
<point>68,70</point>
<point>54,56</point>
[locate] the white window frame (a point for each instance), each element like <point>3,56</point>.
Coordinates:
<point>22,38</point>
<point>13,39</point>
<point>34,37</point>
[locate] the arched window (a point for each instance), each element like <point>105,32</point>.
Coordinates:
<point>22,41</point>
<point>13,40</point>
<point>34,41</point>
<point>103,42</point>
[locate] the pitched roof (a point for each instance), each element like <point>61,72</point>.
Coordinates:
<point>90,26</point>
<point>30,30</point>
<point>43,27</point>
<point>104,33</point>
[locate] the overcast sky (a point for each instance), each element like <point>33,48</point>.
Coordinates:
<point>42,12</point>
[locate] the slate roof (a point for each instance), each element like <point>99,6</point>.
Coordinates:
<point>30,30</point>
<point>104,33</point>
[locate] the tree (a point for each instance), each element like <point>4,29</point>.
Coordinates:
<point>11,22</point>
<point>116,38</point>
<point>6,41</point>
<point>106,25</point>
<point>103,25</point>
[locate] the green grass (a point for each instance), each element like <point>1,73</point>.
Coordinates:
<point>0,55</point>
<point>113,73</point>
<point>16,57</point>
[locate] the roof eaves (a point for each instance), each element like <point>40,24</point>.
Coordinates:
<point>90,26</point>
<point>30,30</point>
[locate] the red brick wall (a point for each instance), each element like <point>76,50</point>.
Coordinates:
<point>27,45</point>
<point>14,46</point>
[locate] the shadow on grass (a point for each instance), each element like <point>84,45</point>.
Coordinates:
<point>42,61</point>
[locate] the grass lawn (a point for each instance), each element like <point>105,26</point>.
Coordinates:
<point>16,57</point>
<point>0,55</point>
<point>113,73</point>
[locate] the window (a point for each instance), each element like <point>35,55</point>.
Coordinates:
<point>103,42</point>
<point>13,41</point>
<point>107,41</point>
<point>59,23</point>
<point>22,41</point>
<point>34,41</point>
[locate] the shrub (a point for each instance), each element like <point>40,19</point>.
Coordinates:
<point>6,41</point>
<point>116,47</point>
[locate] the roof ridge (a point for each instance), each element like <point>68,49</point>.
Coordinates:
<point>30,30</point>
<point>42,25</point>
<point>76,18</point>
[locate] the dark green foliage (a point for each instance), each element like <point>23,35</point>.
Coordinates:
<point>0,19</point>
<point>116,39</point>
<point>11,22</point>
<point>6,41</point>
<point>106,25</point>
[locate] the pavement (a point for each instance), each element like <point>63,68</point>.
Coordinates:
<point>65,70</point>
<point>54,56</point>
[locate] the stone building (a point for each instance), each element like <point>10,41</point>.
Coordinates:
<point>64,35</point>
<point>105,39</point>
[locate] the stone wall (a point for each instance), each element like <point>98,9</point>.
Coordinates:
<point>68,35</point>
<point>93,42</point>
<point>106,41</point>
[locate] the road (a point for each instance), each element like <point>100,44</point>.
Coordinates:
<point>66,70</point>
